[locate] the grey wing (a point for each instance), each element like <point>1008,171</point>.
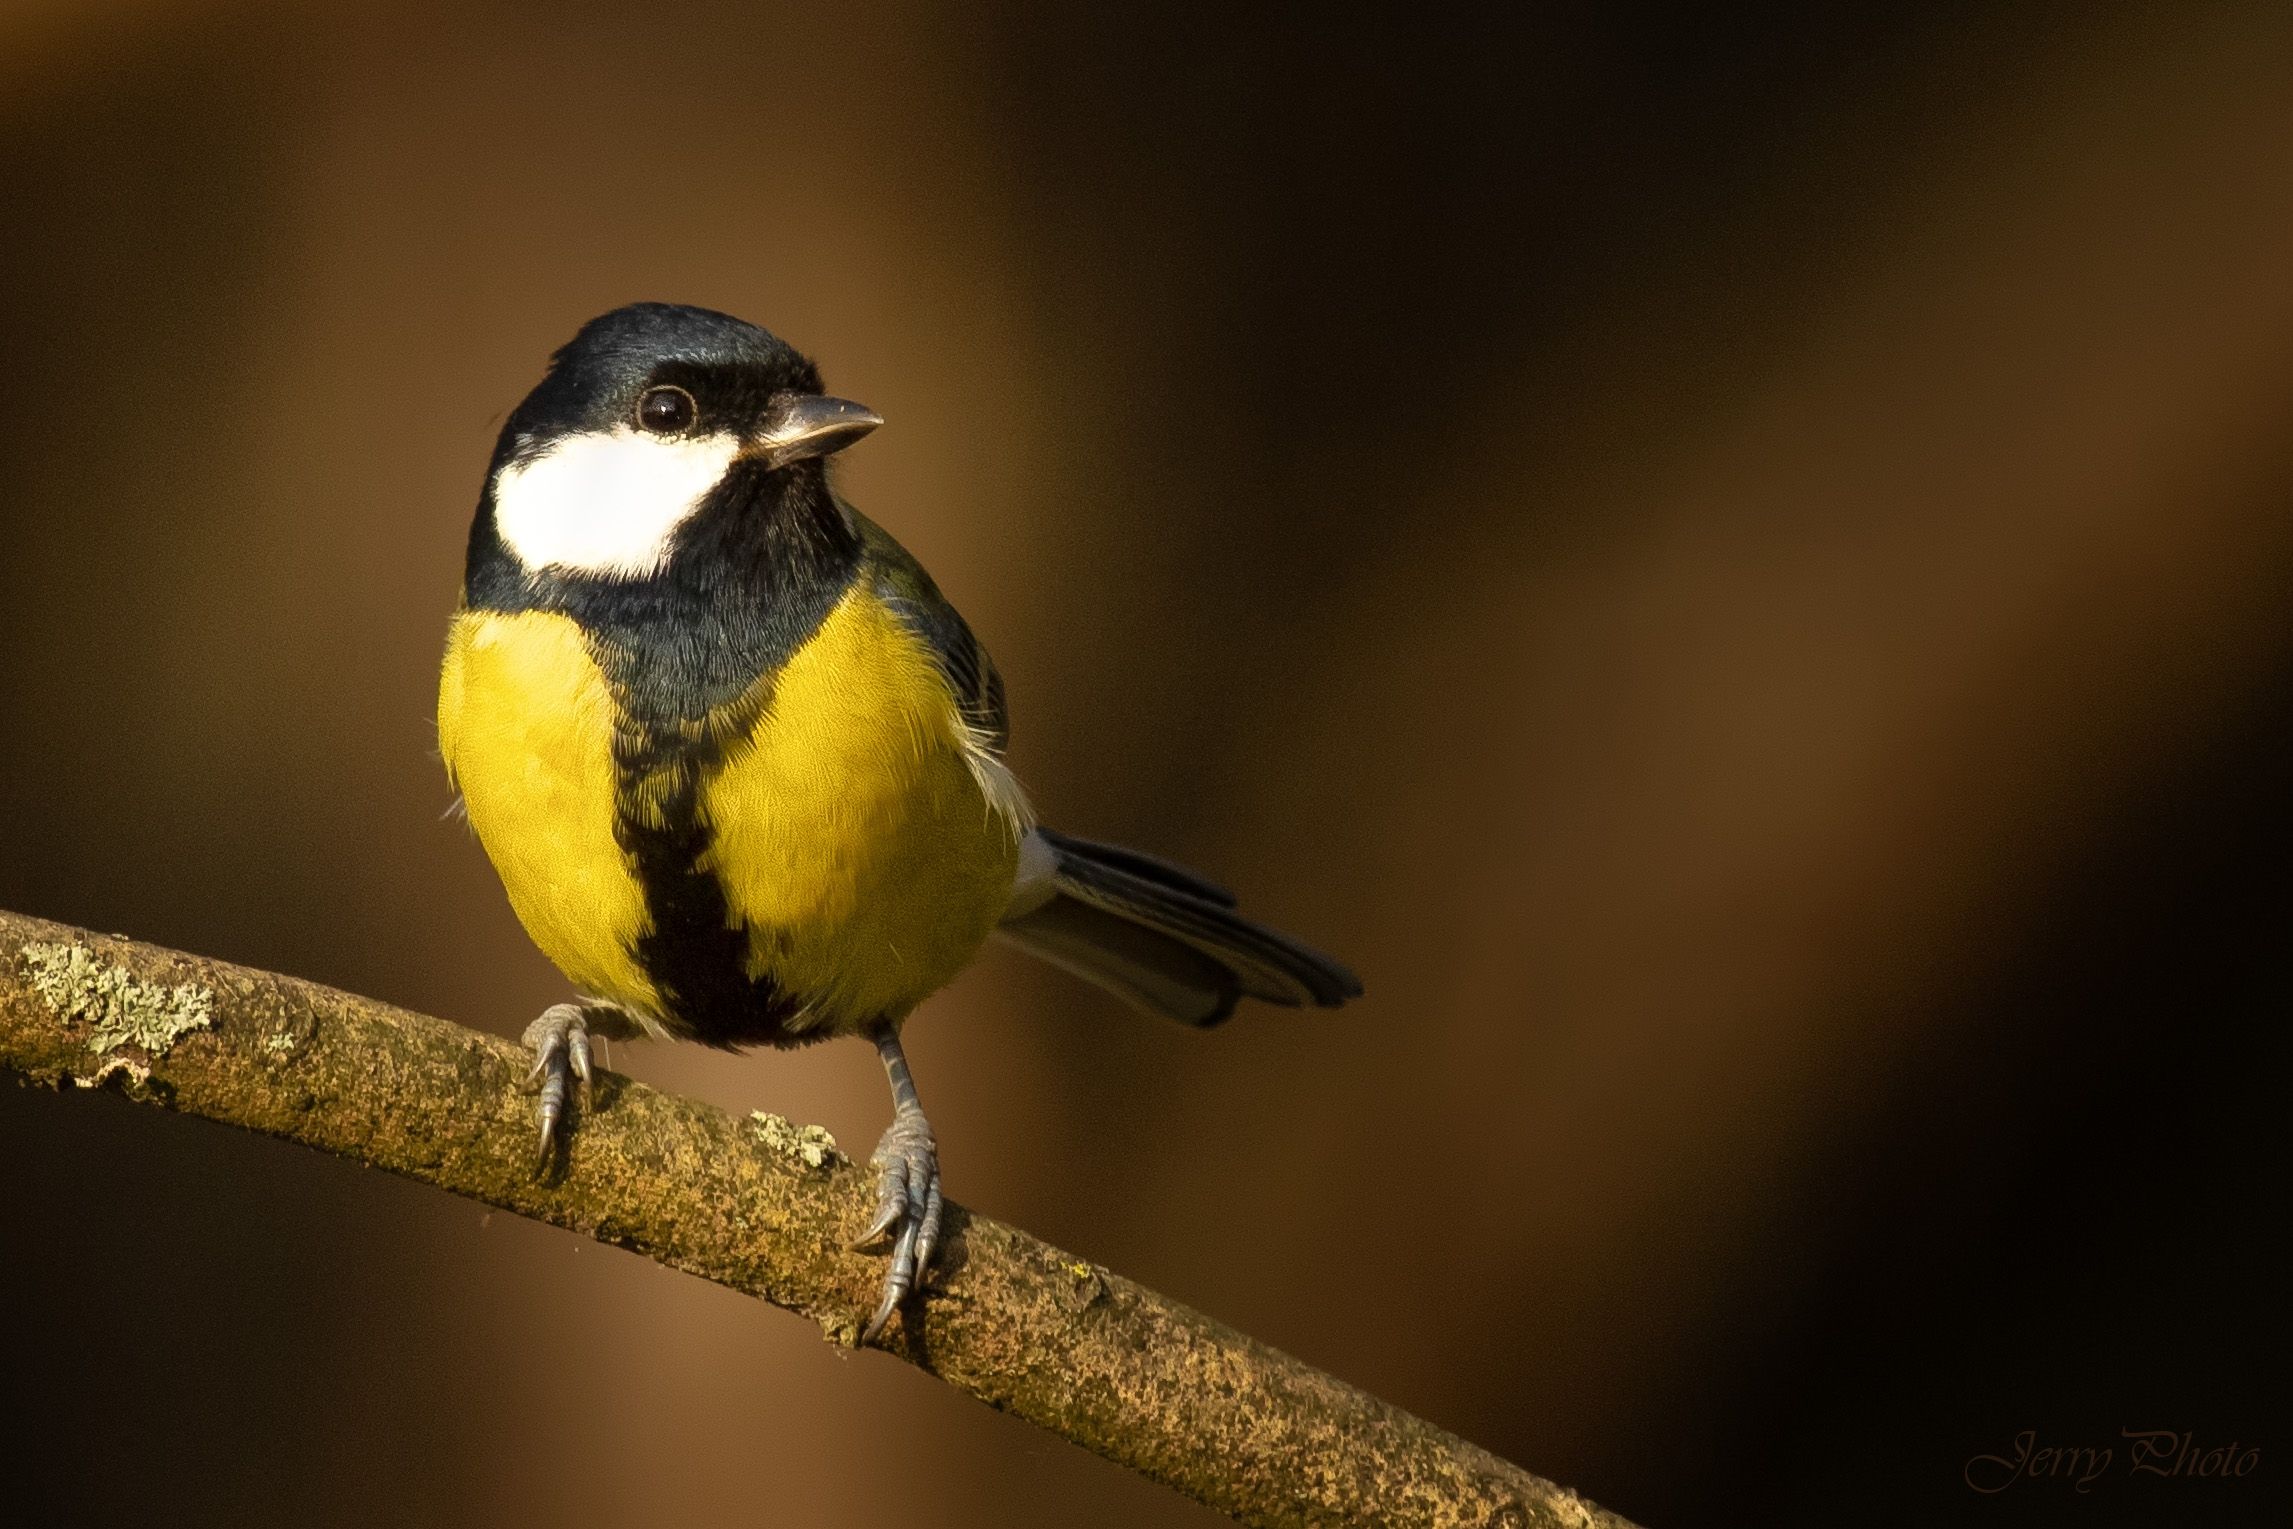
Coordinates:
<point>909,593</point>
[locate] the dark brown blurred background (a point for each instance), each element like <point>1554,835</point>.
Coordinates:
<point>1736,561</point>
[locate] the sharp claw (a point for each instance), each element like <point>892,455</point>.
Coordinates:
<point>902,1277</point>
<point>897,1284</point>
<point>883,1317</point>
<point>886,1219</point>
<point>891,1201</point>
<point>927,1243</point>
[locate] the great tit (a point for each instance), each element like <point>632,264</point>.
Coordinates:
<point>739,764</point>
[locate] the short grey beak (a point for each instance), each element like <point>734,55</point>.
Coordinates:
<point>802,425</point>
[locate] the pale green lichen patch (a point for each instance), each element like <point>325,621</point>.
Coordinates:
<point>810,1145</point>
<point>124,1009</point>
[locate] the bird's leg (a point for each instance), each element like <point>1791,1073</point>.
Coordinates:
<point>560,1044</point>
<point>907,1187</point>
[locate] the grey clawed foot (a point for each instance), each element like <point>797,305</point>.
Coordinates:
<point>908,1204</point>
<point>562,1069</point>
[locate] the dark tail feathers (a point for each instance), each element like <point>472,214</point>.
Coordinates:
<point>1159,936</point>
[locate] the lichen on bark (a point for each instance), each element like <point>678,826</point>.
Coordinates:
<point>763,1206</point>
<point>122,1008</point>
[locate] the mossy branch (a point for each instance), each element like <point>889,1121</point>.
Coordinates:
<point>762,1207</point>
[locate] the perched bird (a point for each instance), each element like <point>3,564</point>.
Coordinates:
<point>740,766</point>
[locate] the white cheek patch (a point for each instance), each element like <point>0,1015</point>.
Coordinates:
<point>608,503</point>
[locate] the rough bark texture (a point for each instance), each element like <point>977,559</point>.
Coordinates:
<point>761,1206</point>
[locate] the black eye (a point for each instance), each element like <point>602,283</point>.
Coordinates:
<point>666,411</point>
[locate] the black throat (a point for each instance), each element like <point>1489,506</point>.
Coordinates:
<point>753,573</point>
<point>690,655</point>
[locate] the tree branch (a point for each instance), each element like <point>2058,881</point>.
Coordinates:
<point>758,1205</point>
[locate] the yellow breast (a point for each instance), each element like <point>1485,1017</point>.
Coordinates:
<point>851,833</point>
<point>847,826</point>
<point>525,725</point>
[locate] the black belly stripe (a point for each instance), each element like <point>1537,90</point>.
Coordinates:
<point>694,952</point>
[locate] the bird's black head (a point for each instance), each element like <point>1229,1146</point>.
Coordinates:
<point>659,431</point>
<point>663,486</point>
